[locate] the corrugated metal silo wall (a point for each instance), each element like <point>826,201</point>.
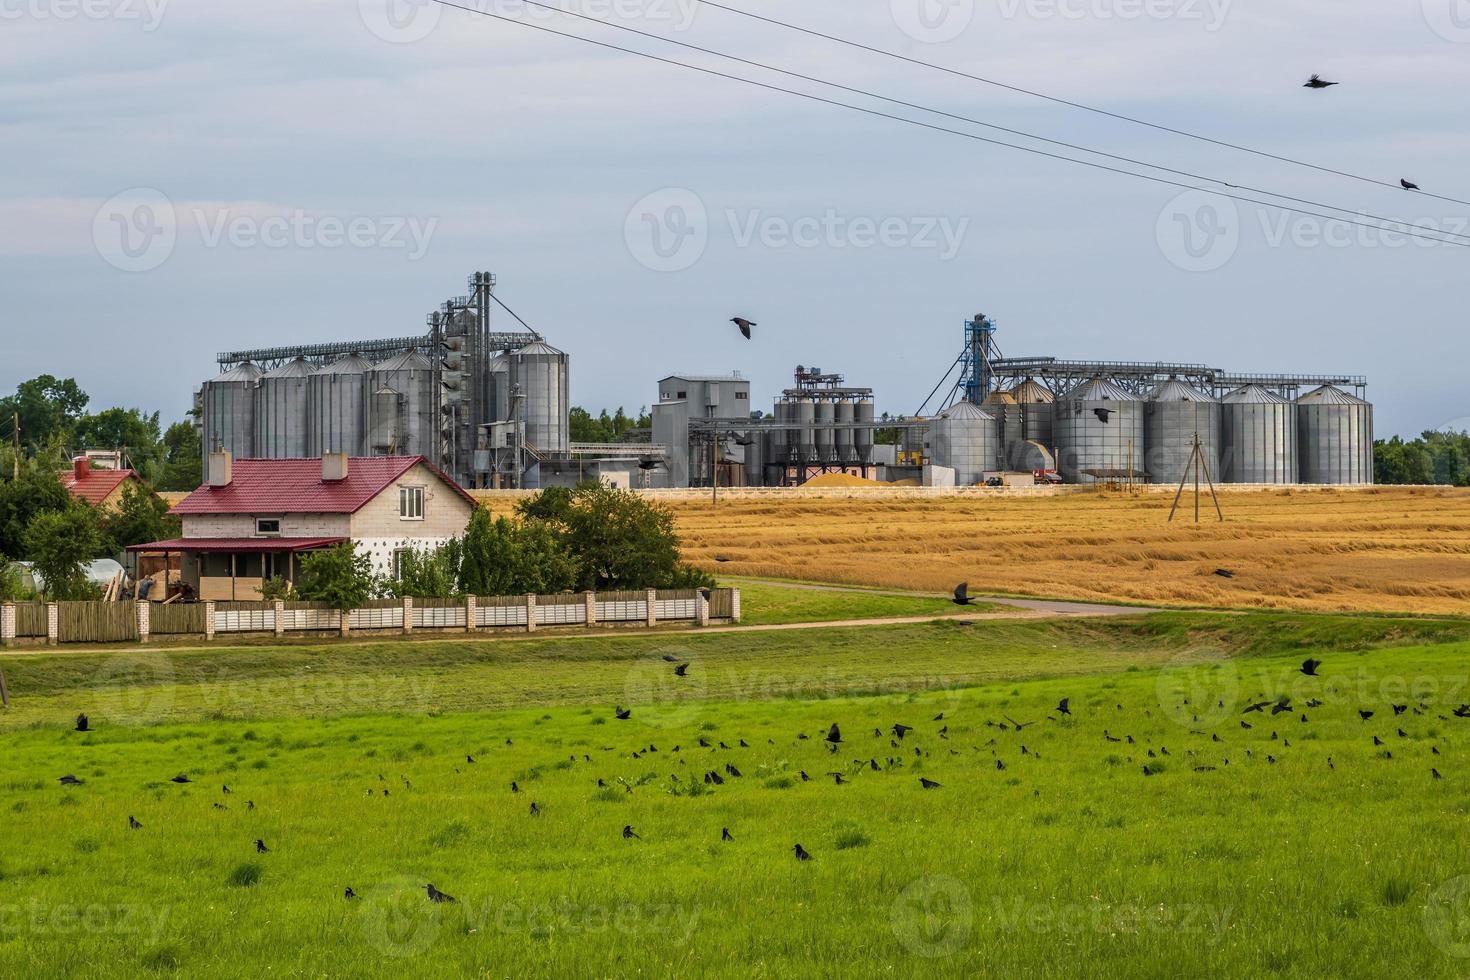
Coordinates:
<point>407,420</point>
<point>862,438</point>
<point>229,417</point>
<point>824,416</point>
<point>1036,423</point>
<point>755,459</point>
<point>335,415</point>
<point>281,414</point>
<point>1168,435</point>
<point>971,447</point>
<point>1085,442</point>
<point>544,386</point>
<point>806,415</point>
<point>499,389</point>
<point>842,444</point>
<point>1259,442</point>
<point>1335,443</point>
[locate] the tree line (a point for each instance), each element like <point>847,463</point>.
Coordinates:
<point>1434,458</point>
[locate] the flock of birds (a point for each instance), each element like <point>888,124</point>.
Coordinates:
<point>1211,754</point>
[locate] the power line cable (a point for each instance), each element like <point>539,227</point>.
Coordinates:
<point>1075,105</point>
<point>953,132</point>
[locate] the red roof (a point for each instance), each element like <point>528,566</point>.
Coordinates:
<point>97,485</point>
<point>295,486</point>
<point>238,544</point>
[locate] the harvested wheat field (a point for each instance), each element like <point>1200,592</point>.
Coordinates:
<point>1380,549</point>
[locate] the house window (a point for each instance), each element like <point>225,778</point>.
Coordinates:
<point>682,394</point>
<point>398,554</point>
<point>741,396</point>
<point>267,527</point>
<point>411,503</point>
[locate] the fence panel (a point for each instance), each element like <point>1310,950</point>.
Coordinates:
<point>500,610</point>
<point>176,618</point>
<point>302,616</point>
<point>562,609</point>
<point>676,608</point>
<point>30,619</point>
<point>378,614</point>
<point>244,617</point>
<point>97,622</point>
<point>438,616</point>
<point>721,603</point>
<point>615,610</point>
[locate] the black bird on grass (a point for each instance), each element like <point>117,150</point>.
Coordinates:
<point>1283,705</point>
<point>928,783</point>
<point>133,824</point>
<point>670,659</point>
<point>69,780</point>
<point>535,810</point>
<point>628,833</point>
<point>725,834</point>
<point>1256,706</point>
<point>82,725</point>
<point>899,731</point>
<point>349,894</point>
<point>801,854</point>
<point>181,778</point>
<point>1364,714</point>
<point>962,595</point>
<point>681,670</point>
<point>744,325</point>
<point>1316,82</point>
<point>1435,773</point>
<point>1408,185</point>
<point>1463,711</point>
<point>837,779</point>
<point>834,734</point>
<point>1399,709</point>
<point>1063,706</point>
<point>1309,667</point>
<point>260,847</point>
<point>435,895</point>
<point>1224,573</point>
<point>622,714</point>
<point>804,776</point>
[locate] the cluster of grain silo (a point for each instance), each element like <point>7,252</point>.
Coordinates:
<point>1101,431</point>
<point>823,426</point>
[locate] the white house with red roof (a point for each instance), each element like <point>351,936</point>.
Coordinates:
<point>253,519</point>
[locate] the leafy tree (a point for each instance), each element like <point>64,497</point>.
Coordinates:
<point>120,428</point>
<point>182,464</point>
<point>276,587</point>
<point>60,543</point>
<point>551,504</point>
<point>48,408</point>
<point>431,573</point>
<point>141,516</point>
<point>583,427</point>
<point>11,588</point>
<point>38,491</point>
<point>618,540</point>
<point>506,557</point>
<point>341,577</point>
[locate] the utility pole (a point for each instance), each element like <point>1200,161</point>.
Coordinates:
<point>1196,465</point>
<point>714,468</point>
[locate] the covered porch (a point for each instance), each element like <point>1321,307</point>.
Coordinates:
<point>224,569</point>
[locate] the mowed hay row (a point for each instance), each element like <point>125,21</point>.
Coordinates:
<point>1386,549</point>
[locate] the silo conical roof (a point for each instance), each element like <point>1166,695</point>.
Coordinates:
<point>1253,395</point>
<point>1175,390</point>
<point>351,364</point>
<point>999,397</point>
<point>1031,392</point>
<point>1101,390</point>
<point>409,360</point>
<point>1329,395</point>
<point>297,368</point>
<point>966,411</point>
<point>539,347</point>
<point>244,371</point>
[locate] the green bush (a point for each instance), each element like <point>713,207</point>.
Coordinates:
<point>340,577</point>
<point>60,543</point>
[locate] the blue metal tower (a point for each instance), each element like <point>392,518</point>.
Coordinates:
<point>975,373</point>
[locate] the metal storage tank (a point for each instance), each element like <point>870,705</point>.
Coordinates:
<point>542,373</point>
<point>825,414</point>
<point>755,459</point>
<point>842,444</point>
<point>1173,414</point>
<point>1334,437</point>
<point>1258,429</point>
<point>336,407</point>
<point>806,416</point>
<point>401,406</point>
<point>781,439</point>
<point>1035,402</point>
<point>228,404</point>
<point>1007,415</point>
<point>862,433</point>
<point>1098,426</point>
<point>966,438</point>
<point>281,410</point>
<point>499,402</point>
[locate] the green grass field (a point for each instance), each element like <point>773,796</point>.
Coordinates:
<point>764,603</point>
<point>1068,861</point>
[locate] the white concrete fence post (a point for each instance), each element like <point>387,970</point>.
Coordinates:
<point>53,623</point>
<point>530,612</point>
<point>209,621</point>
<point>280,614</point>
<point>469,614</point>
<point>735,605</point>
<point>591,599</point>
<point>144,620</point>
<point>344,622</point>
<point>7,624</point>
<point>701,609</point>
<point>408,614</point>
<point>652,607</point>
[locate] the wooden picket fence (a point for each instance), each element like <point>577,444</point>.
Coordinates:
<point>96,622</point>
<point>30,619</point>
<point>176,619</point>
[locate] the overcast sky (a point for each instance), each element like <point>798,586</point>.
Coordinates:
<point>181,177</point>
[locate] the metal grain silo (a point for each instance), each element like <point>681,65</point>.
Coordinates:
<point>400,406</point>
<point>499,400</point>
<point>862,433</point>
<point>1334,437</point>
<point>1035,402</point>
<point>842,445</point>
<point>781,439</point>
<point>1098,429</point>
<point>1173,414</point>
<point>967,439</point>
<point>806,420</point>
<point>1007,413</point>
<point>1258,429</point>
<point>824,414</point>
<point>541,372</point>
<point>755,459</point>
<point>336,407</point>
<point>228,404</point>
<point>281,410</point>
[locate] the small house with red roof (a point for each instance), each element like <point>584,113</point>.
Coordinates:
<point>253,519</point>
<point>101,486</point>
